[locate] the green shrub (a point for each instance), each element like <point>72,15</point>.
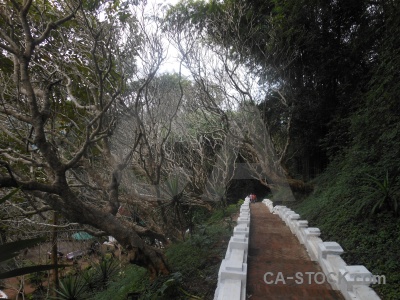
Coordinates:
<point>194,263</point>
<point>380,194</point>
<point>132,279</point>
<point>368,239</point>
<point>105,270</point>
<point>72,287</point>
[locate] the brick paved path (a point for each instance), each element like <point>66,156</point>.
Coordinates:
<point>273,248</point>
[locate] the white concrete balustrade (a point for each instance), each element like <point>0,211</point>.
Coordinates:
<point>352,281</point>
<point>233,270</point>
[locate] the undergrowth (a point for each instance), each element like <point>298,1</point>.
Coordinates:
<point>194,265</point>
<point>347,214</point>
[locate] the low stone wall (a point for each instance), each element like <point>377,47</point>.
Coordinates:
<point>352,281</point>
<point>233,270</point>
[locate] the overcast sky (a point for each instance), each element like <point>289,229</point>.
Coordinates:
<point>171,65</point>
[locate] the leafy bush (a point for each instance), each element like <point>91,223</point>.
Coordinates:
<point>194,263</point>
<point>222,213</point>
<point>380,194</point>
<point>165,288</point>
<point>95,278</point>
<point>240,202</point>
<point>105,270</point>
<point>368,239</point>
<point>132,279</point>
<point>89,277</point>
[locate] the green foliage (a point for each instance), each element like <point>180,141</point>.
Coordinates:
<point>184,256</point>
<point>131,279</point>
<point>230,224</point>
<point>221,213</point>
<point>193,12</point>
<point>231,209</point>
<point>191,266</point>
<point>174,190</point>
<point>216,216</point>
<point>317,53</point>
<point>105,270</point>
<point>200,238</point>
<point>90,278</point>
<point>194,263</point>
<point>188,255</point>
<point>380,194</point>
<point>368,239</point>
<point>170,287</point>
<point>91,281</point>
<point>72,287</point>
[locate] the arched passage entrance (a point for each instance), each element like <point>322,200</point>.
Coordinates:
<point>240,188</point>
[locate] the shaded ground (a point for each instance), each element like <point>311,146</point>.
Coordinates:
<point>197,259</point>
<point>39,255</point>
<point>274,249</point>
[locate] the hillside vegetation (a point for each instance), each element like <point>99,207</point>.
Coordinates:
<point>194,263</point>
<point>332,111</point>
<point>95,136</point>
<point>357,199</point>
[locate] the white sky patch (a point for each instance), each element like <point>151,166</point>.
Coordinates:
<point>171,64</point>
<point>240,86</point>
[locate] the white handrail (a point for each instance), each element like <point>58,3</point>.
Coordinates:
<point>352,281</point>
<point>233,270</point>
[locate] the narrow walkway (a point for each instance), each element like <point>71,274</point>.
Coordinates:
<point>274,249</point>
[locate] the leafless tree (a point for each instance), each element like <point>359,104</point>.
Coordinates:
<point>61,95</point>
<point>212,63</point>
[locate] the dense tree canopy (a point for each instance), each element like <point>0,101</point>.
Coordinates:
<point>316,58</point>
<point>330,74</point>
